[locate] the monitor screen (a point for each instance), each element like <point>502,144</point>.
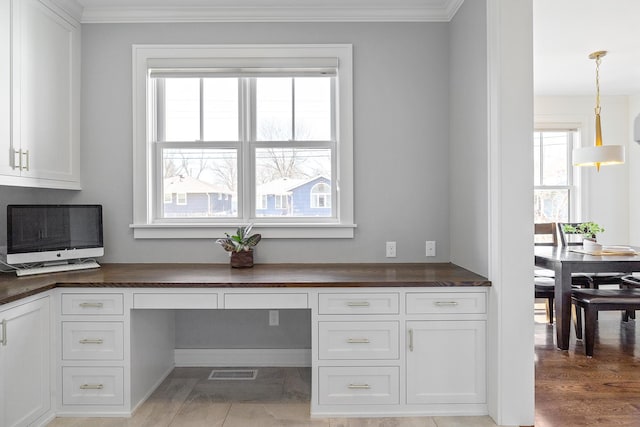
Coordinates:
<point>63,230</point>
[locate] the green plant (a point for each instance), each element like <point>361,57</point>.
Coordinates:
<point>588,230</point>
<point>241,241</point>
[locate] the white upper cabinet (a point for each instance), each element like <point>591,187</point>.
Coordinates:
<point>43,148</point>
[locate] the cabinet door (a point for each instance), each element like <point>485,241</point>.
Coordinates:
<point>45,92</point>
<point>6,151</point>
<point>446,361</point>
<point>24,363</point>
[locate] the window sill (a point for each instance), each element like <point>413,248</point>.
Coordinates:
<point>268,231</point>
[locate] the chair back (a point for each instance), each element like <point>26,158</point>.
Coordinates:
<point>565,237</point>
<point>545,234</point>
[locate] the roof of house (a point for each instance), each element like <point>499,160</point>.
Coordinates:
<point>282,186</point>
<point>190,185</point>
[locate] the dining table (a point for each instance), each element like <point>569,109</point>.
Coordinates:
<point>564,261</point>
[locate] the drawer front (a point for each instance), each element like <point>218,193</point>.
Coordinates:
<point>378,385</point>
<point>92,341</point>
<point>175,301</point>
<point>358,340</point>
<point>92,386</point>
<point>358,303</point>
<point>446,303</point>
<point>267,300</point>
<point>92,304</point>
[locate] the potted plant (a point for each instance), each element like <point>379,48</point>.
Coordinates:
<point>589,231</point>
<point>240,246</point>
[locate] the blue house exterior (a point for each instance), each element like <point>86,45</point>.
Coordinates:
<point>188,197</point>
<point>295,197</point>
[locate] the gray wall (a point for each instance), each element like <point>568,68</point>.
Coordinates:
<point>468,172</point>
<point>401,116</point>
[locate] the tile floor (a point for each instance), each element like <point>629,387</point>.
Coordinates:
<point>278,397</point>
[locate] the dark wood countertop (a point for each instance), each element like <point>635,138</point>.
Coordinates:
<point>13,288</point>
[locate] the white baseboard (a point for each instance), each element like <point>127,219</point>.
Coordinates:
<point>243,357</point>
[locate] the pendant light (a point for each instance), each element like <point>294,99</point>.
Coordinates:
<point>598,154</point>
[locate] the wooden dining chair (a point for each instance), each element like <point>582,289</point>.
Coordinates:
<point>544,282</point>
<point>546,234</point>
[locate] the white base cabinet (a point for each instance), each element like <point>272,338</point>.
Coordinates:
<point>25,362</point>
<point>446,362</point>
<point>400,352</point>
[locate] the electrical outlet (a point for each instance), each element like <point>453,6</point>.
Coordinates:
<point>274,318</point>
<point>391,249</point>
<point>431,248</point>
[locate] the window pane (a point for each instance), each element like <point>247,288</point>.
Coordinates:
<point>285,179</point>
<point>536,158</point>
<point>204,182</point>
<point>274,114</point>
<point>182,110</point>
<point>313,109</point>
<point>554,146</point>
<point>551,205</point>
<point>220,109</point>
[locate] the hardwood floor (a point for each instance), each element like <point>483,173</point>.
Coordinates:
<point>573,390</point>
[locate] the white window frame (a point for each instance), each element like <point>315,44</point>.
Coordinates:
<point>575,185</point>
<point>181,199</point>
<point>145,57</point>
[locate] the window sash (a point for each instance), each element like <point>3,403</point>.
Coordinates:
<point>246,148</point>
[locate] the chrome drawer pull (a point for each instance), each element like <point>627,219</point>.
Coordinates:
<point>91,304</point>
<point>410,339</point>
<point>445,303</point>
<point>91,341</point>
<point>91,387</point>
<point>4,332</point>
<point>358,340</point>
<point>359,386</point>
<point>358,304</point>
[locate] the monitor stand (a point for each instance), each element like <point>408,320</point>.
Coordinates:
<point>57,267</point>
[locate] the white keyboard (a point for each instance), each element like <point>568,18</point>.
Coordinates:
<point>57,268</point>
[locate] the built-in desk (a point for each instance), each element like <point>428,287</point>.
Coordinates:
<point>387,339</point>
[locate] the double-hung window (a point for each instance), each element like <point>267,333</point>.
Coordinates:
<point>226,135</point>
<point>555,196</point>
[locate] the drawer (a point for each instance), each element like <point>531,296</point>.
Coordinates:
<point>266,300</point>
<point>358,303</point>
<point>175,300</point>
<point>446,303</point>
<point>358,340</point>
<point>375,385</point>
<point>92,386</point>
<point>92,304</point>
<point>92,341</point>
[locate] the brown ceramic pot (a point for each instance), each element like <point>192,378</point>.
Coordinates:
<point>242,259</point>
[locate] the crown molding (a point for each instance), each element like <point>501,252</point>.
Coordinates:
<point>275,11</point>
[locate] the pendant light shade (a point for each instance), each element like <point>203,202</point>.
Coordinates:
<point>598,154</point>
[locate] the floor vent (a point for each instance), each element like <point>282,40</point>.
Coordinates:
<point>233,374</point>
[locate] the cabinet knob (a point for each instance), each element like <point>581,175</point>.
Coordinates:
<point>91,341</point>
<point>91,387</point>
<point>359,386</point>
<point>358,340</point>
<point>91,304</point>
<point>358,304</point>
<point>3,326</point>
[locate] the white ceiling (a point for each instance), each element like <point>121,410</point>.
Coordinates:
<point>565,31</point>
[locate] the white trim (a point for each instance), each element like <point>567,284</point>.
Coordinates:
<point>279,11</point>
<point>146,226</point>
<point>271,231</point>
<point>243,357</point>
